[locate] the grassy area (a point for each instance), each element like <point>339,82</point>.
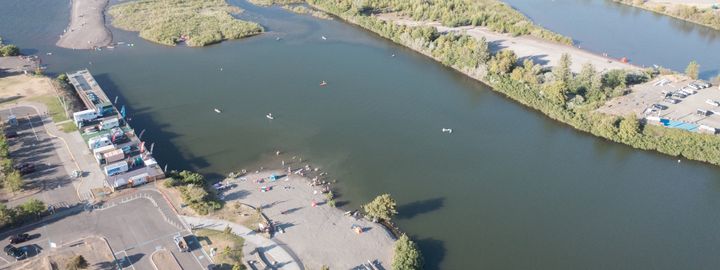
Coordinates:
<point>299,9</point>
<point>55,109</point>
<point>228,246</point>
<point>68,127</point>
<point>202,22</point>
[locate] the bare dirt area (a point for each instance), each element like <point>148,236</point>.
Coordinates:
<point>18,87</point>
<point>696,3</point>
<point>164,260</point>
<point>93,249</point>
<point>87,26</point>
<point>663,98</point>
<point>17,65</point>
<point>542,52</point>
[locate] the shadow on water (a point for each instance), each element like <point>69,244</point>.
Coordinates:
<point>433,252</point>
<point>410,210</point>
<point>141,119</point>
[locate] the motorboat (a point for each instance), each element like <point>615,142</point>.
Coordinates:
<point>323,37</point>
<point>323,83</point>
<point>447,130</point>
<point>270,116</point>
<point>218,110</point>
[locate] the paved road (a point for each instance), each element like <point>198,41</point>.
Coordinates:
<point>135,226</point>
<point>266,246</point>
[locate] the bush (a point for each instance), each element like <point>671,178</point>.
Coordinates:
<point>9,50</point>
<point>77,262</point>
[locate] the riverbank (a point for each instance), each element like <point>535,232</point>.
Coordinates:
<point>87,26</point>
<point>195,23</point>
<point>560,94</point>
<point>702,12</point>
<point>317,232</point>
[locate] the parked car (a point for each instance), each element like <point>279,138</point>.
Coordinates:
<point>659,106</point>
<point>19,238</point>
<point>22,165</point>
<point>672,100</point>
<point>11,134</point>
<point>27,170</point>
<point>16,253</point>
<point>693,86</point>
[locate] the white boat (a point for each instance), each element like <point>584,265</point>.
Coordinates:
<point>447,130</point>
<point>218,110</point>
<point>270,116</point>
<point>323,37</point>
<point>323,83</point>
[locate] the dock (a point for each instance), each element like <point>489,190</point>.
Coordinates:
<point>120,152</point>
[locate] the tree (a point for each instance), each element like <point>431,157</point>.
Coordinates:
<point>562,70</point>
<point>62,77</point>
<point>33,207</point>
<point>629,128</point>
<point>555,91</point>
<point>13,181</point>
<point>693,70</point>
<point>502,62</point>
<point>188,177</point>
<point>238,266</point>
<point>406,256</point>
<point>9,50</point>
<point>324,267</point>
<point>77,262</point>
<point>383,207</point>
<point>7,215</point>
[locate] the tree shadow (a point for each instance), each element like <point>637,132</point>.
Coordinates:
<point>408,211</point>
<point>433,252</point>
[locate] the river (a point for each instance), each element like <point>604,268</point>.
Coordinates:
<point>508,189</point>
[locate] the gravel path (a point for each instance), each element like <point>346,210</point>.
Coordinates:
<point>87,26</point>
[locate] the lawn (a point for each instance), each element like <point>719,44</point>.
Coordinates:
<point>55,109</point>
<point>68,127</point>
<point>228,246</point>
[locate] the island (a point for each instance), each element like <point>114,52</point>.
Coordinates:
<point>194,23</point>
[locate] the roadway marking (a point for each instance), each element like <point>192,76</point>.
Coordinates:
<point>33,128</point>
<point>6,261</point>
<point>125,259</point>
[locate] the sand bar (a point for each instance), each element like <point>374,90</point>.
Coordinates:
<point>87,26</point>
<point>542,52</point>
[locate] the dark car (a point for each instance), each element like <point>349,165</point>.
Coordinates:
<point>16,253</point>
<point>23,165</point>
<point>10,134</point>
<point>660,106</point>
<point>19,238</point>
<point>27,170</point>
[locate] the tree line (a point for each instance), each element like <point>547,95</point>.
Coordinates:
<point>8,49</point>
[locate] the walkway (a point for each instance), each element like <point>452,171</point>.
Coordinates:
<point>267,246</point>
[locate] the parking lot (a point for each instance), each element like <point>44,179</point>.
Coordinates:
<point>132,225</point>
<point>50,179</point>
<point>656,98</point>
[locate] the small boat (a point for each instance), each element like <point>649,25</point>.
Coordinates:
<point>447,130</point>
<point>323,37</point>
<point>49,53</point>
<point>218,110</point>
<point>270,116</point>
<point>323,83</point>
<point>277,38</point>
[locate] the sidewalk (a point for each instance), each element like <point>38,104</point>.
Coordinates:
<point>267,246</point>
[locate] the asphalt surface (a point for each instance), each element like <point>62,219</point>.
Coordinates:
<point>51,181</point>
<point>132,225</point>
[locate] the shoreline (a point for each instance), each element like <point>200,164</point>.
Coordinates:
<point>662,9</point>
<point>674,143</point>
<point>87,29</point>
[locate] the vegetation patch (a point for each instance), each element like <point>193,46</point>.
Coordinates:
<point>709,17</point>
<point>196,22</point>
<point>193,191</point>
<point>226,245</point>
<point>55,108</point>
<point>301,9</point>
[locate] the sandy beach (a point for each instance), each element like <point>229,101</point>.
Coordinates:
<point>87,26</point>
<point>542,52</point>
<point>319,235</point>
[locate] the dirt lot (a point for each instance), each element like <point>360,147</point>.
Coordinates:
<point>93,249</point>
<point>20,87</point>
<point>640,102</point>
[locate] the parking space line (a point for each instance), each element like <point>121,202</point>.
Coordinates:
<point>125,259</point>
<point>33,128</point>
<point>6,261</point>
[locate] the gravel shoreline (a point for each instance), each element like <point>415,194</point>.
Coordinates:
<point>87,28</point>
